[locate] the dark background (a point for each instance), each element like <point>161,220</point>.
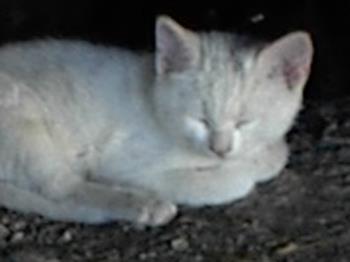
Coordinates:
<point>130,23</point>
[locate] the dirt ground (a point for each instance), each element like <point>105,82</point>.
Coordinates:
<point>303,215</point>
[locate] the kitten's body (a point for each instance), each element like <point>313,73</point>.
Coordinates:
<point>98,134</point>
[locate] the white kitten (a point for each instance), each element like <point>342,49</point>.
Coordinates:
<point>99,133</point>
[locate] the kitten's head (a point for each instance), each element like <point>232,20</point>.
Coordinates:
<point>221,96</point>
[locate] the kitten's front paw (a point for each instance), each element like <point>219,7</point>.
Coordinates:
<point>157,213</point>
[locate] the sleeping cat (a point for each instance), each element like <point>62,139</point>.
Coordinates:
<point>92,134</point>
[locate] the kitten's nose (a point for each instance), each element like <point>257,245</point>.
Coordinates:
<point>220,143</point>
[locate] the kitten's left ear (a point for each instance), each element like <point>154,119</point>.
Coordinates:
<point>177,48</point>
<point>289,57</point>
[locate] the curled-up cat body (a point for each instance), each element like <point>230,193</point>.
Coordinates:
<point>92,134</point>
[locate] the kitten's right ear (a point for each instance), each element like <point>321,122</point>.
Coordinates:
<point>176,47</point>
<point>289,57</point>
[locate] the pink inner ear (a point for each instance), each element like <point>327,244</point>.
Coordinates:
<point>290,57</point>
<point>174,47</point>
<point>174,60</point>
<point>177,47</point>
<point>295,72</point>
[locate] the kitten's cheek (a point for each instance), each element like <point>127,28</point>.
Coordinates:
<point>196,132</point>
<point>200,136</point>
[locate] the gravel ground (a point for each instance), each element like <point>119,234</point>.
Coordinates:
<point>302,215</point>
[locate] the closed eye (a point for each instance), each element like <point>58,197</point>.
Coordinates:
<point>205,122</point>
<point>243,123</point>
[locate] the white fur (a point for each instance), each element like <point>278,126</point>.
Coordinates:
<point>96,129</point>
<point>196,130</point>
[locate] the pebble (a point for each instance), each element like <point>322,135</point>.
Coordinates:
<point>5,220</point>
<point>179,244</point>
<point>199,258</point>
<point>19,225</point>
<point>4,232</point>
<point>67,236</point>
<point>149,255</point>
<point>287,249</point>
<point>17,237</point>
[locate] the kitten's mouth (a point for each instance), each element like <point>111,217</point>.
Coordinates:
<point>206,168</point>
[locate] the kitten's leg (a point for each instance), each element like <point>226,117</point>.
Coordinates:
<point>42,167</point>
<point>225,182</point>
<point>123,205</point>
<point>211,186</point>
<point>27,201</point>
